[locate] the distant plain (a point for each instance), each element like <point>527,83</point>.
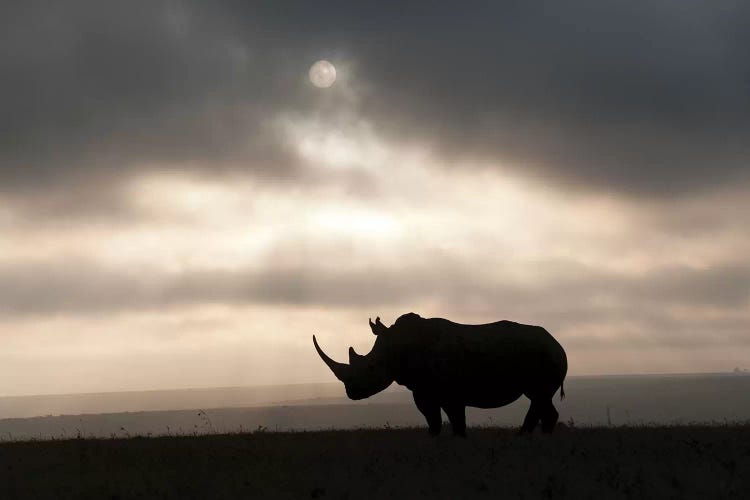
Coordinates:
<point>590,401</point>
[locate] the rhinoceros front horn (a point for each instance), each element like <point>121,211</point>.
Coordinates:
<point>338,369</point>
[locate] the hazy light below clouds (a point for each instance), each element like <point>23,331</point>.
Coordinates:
<point>199,236</point>
<point>149,300</point>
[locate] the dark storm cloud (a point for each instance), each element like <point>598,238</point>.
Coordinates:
<point>90,90</point>
<point>635,97</point>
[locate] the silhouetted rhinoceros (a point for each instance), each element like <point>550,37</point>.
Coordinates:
<point>451,366</point>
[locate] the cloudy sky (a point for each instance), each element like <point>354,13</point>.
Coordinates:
<point>181,207</point>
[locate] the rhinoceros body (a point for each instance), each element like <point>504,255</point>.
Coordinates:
<point>450,366</point>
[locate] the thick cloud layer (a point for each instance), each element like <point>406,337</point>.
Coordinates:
<point>76,287</point>
<point>630,97</point>
<point>171,184</point>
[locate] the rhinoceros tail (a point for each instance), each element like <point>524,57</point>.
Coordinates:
<point>562,391</point>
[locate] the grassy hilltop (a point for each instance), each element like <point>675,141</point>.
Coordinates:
<point>620,462</point>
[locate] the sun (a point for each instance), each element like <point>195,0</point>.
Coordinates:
<point>322,74</point>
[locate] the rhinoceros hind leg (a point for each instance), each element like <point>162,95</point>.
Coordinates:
<point>431,411</point>
<point>457,415</point>
<point>549,417</point>
<point>532,417</point>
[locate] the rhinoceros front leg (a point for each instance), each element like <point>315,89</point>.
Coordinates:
<point>431,411</point>
<point>457,415</point>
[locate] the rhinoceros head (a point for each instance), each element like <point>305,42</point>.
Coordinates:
<point>365,375</point>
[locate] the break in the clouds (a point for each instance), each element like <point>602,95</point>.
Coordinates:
<point>581,165</point>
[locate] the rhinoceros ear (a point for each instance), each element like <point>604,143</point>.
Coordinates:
<point>377,327</point>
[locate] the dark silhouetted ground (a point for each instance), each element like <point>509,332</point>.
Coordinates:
<point>618,462</point>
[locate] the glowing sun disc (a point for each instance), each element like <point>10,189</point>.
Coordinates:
<point>322,74</point>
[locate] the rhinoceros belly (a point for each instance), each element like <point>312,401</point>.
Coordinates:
<point>494,381</point>
<point>488,389</point>
<point>499,398</point>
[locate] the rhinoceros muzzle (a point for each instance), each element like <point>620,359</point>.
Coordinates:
<point>341,370</point>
